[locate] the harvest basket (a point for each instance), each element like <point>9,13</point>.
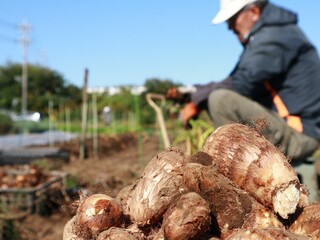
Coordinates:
<point>16,203</point>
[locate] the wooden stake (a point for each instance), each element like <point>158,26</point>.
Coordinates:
<point>83,148</point>
<point>95,125</point>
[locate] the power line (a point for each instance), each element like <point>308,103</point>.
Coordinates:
<point>8,24</point>
<point>8,39</point>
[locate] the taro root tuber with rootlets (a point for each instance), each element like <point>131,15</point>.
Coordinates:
<point>116,234</point>
<point>270,233</point>
<point>308,222</point>
<point>95,214</point>
<point>160,183</point>
<point>233,207</point>
<point>188,217</point>
<point>69,232</point>
<point>123,197</point>
<point>246,157</point>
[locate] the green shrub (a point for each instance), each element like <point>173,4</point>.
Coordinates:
<point>6,125</point>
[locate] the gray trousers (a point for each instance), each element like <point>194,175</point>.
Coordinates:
<point>226,106</point>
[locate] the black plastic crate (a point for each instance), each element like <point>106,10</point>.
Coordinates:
<point>16,203</point>
<point>26,155</point>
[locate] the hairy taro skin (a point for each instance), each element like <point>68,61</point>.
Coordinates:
<point>243,155</point>
<point>116,234</point>
<point>202,158</point>
<point>232,206</point>
<point>159,184</point>
<point>270,233</point>
<point>69,230</point>
<point>95,214</point>
<point>123,197</point>
<point>308,222</point>
<point>187,218</point>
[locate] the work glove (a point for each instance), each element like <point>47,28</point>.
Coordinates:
<point>188,112</point>
<point>175,95</point>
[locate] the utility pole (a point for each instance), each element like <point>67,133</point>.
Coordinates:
<point>24,29</point>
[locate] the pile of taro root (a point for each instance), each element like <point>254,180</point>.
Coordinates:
<point>21,176</point>
<point>240,186</point>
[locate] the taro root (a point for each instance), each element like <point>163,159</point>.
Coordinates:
<point>137,232</point>
<point>201,158</point>
<point>68,231</point>
<point>95,214</point>
<point>157,235</point>
<point>161,182</point>
<point>246,157</point>
<point>116,234</point>
<point>122,197</point>
<point>308,222</point>
<point>187,218</point>
<point>233,207</point>
<point>265,234</point>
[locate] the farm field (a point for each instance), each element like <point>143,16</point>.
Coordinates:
<point>118,164</point>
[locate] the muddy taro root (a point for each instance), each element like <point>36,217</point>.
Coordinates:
<point>95,214</point>
<point>308,222</point>
<point>187,218</point>
<point>116,234</point>
<point>270,233</point>
<point>160,183</point>
<point>246,157</point>
<point>232,207</point>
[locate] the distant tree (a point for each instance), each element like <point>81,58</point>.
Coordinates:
<point>10,86</point>
<point>44,84</point>
<point>121,103</point>
<point>155,85</point>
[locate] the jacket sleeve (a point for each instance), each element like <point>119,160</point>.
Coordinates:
<point>267,56</point>
<point>200,96</point>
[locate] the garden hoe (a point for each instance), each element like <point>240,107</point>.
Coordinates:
<point>150,99</point>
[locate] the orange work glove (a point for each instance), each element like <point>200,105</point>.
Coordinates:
<point>189,111</point>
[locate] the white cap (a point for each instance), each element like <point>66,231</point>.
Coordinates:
<point>228,8</point>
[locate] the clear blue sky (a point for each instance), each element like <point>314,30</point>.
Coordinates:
<point>125,42</point>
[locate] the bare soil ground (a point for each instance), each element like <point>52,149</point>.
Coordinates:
<point>118,164</point>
